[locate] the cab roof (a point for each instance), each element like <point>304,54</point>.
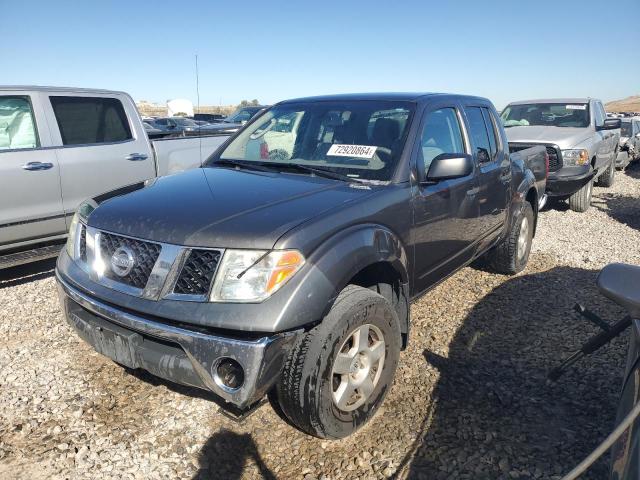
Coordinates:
<point>384,96</point>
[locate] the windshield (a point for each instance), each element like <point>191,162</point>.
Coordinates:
<point>547,114</point>
<point>625,129</point>
<point>242,115</point>
<point>360,139</point>
<point>185,122</point>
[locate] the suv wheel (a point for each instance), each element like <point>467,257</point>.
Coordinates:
<point>608,177</point>
<point>512,254</point>
<point>581,200</point>
<point>338,374</point>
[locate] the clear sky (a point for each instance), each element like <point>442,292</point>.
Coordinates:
<point>273,50</point>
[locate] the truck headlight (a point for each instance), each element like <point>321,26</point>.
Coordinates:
<point>575,157</point>
<point>254,275</point>
<point>71,237</point>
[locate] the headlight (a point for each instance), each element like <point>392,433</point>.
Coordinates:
<point>253,275</point>
<point>575,157</point>
<point>71,238</point>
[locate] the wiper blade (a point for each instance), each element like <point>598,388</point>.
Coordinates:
<point>321,172</point>
<point>247,165</point>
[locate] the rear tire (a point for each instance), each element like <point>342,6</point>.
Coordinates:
<point>581,200</point>
<point>512,254</point>
<point>608,177</point>
<point>338,373</point>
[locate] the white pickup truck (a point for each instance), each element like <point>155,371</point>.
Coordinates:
<point>59,146</point>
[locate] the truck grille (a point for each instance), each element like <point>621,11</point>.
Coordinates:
<point>197,272</point>
<point>144,253</point>
<point>555,161</point>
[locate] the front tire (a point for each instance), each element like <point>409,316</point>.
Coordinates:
<point>608,177</point>
<point>581,200</point>
<point>338,373</point>
<point>512,254</point>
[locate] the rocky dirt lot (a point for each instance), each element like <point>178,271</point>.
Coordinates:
<point>470,398</point>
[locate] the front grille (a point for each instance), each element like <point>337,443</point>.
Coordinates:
<point>555,162</point>
<point>144,253</point>
<point>83,243</point>
<point>197,272</point>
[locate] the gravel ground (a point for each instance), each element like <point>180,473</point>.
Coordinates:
<point>470,398</point>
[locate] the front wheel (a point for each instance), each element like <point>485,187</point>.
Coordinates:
<point>512,254</point>
<point>338,374</point>
<point>581,200</point>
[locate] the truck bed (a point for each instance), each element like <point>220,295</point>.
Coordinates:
<point>537,159</point>
<point>182,153</point>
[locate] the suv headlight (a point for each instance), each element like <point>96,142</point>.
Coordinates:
<point>254,275</point>
<point>71,237</point>
<point>575,157</point>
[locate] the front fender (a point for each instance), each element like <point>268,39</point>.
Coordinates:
<point>332,266</point>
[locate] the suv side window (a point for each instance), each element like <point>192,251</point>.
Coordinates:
<point>441,134</point>
<point>17,124</point>
<point>491,131</point>
<point>90,120</point>
<point>479,135</point>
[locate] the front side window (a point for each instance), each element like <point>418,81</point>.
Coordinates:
<point>17,125</point>
<point>441,134</point>
<point>360,139</point>
<point>479,134</point>
<point>547,114</point>
<point>89,120</point>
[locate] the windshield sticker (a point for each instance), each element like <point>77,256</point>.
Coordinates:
<point>576,107</point>
<point>357,151</point>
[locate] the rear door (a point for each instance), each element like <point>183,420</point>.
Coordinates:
<point>444,214</point>
<point>493,161</point>
<point>30,196</point>
<point>101,145</point>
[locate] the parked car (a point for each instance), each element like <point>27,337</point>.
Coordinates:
<point>298,272</point>
<point>582,143</point>
<point>209,117</point>
<point>59,146</point>
<point>629,142</point>
<point>153,132</point>
<point>237,119</point>
<point>176,125</point>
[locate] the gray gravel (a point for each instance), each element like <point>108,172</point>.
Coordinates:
<point>470,398</point>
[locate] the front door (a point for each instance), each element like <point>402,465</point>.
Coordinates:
<point>444,213</point>
<point>101,147</point>
<point>30,198</point>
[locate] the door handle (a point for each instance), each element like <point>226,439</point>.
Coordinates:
<point>37,166</point>
<point>136,157</point>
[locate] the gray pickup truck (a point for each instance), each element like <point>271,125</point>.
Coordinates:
<point>582,143</point>
<point>290,259</point>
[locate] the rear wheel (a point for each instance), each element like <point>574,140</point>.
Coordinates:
<point>581,200</point>
<point>337,375</point>
<point>512,254</point>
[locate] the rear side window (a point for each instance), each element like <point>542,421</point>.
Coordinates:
<point>479,134</point>
<point>17,125</point>
<point>87,120</point>
<point>441,134</point>
<point>491,131</point>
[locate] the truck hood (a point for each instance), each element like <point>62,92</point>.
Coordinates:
<point>221,207</point>
<point>564,137</point>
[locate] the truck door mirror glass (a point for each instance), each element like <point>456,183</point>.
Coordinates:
<point>611,124</point>
<point>450,165</point>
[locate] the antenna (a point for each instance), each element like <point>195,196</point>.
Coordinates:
<point>198,98</point>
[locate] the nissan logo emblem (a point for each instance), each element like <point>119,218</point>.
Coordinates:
<point>122,261</point>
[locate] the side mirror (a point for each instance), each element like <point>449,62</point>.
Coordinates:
<point>610,124</point>
<point>449,165</point>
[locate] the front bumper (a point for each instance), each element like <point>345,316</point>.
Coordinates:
<point>175,353</point>
<point>568,180</point>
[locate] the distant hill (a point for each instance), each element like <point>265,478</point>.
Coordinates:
<point>629,104</point>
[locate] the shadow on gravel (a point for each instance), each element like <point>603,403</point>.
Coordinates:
<point>225,455</point>
<point>621,208</point>
<point>633,170</point>
<point>11,277</point>
<point>494,415</point>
